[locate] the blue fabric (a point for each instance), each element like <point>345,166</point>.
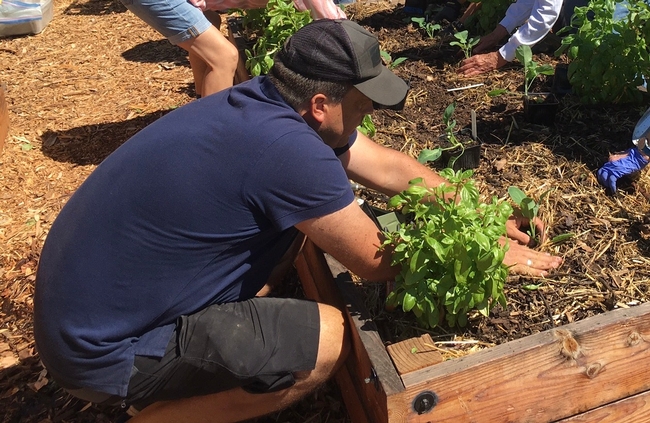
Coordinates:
<point>196,209</point>
<point>612,171</point>
<point>177,20</point>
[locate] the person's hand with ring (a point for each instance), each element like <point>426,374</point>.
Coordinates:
<point>525,261</point>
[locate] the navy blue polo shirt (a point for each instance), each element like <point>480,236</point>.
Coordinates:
<point>195,209</point>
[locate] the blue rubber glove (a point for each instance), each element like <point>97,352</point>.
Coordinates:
<point>611,172</point>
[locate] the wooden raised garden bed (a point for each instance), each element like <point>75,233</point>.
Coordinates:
<point>594,370</point>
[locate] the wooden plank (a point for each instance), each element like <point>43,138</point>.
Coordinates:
<point>373,371</point>
<point>374,378</point>
<point>414,354</point>
<point>318,286</point>
<point>593,370</point>
<point>355,408</point>
<point>366,330</point>
<point>544,377</point>
<point>634,409</point>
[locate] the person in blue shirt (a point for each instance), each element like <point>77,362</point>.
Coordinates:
<point>149,290</point>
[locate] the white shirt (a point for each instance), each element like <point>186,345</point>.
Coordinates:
<point>535,18</point>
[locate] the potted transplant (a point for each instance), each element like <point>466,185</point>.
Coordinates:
<point>539,108</point>
<point>459,150</point>
<point>561,84</point>
<point>386,220</point>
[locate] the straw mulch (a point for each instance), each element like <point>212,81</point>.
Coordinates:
<point>606,262</point>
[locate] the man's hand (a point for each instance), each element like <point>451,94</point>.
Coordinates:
<point>525,261</point>
<point>481,63</point>
<point>199,3</point>
<point>514,232</point>
<point>619,166</point>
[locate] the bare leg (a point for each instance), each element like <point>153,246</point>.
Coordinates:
<point>213,59</point>
<point>236,405</point>
<point>199,68</point>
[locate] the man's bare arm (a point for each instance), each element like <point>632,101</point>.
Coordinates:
<point>353,239</point>
<point>384,169</point>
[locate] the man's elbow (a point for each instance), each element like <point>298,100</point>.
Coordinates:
<point>379,274</point>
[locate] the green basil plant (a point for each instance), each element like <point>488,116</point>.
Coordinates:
<point>449,251</point>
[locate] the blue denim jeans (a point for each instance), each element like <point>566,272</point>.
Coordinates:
<point>177,20</point>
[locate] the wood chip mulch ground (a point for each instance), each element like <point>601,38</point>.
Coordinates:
<point>75,92</point>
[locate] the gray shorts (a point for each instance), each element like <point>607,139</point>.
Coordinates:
<point>256,344</point>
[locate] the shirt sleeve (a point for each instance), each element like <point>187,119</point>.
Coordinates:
<point>321,9</point>
<point>299,178</point>
<point>535,18</point>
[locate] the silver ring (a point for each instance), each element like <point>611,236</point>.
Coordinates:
<point>529,262</point>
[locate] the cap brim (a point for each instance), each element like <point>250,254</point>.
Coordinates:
<point>386,89</point>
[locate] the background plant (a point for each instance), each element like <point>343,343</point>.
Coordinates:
<point>532,69</point>
<point>367,126</point>
<point>608,56</point>
<point>389,61</point>
<point>270,26</point>
<point>450,256</point>
<point>429,27</point>
<point>465,43</point>
<point>486,18</point>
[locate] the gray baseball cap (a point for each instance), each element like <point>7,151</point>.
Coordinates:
<point>340,50</point>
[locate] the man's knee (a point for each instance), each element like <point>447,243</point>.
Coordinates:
<point>334,336</point>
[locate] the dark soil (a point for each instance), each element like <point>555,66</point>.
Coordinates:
<point>97,75</point>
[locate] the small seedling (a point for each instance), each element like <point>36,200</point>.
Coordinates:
<point>531,68</point>
<point>428,155</point>
<point>465,43</point>
<point>390,63</point>
<point>450,123</point>
<point>429,28</point>
<point>367,127</point>
<point>531,287</point>
<point>528,207</point>
<point>499,91</point>
<point>25,144</point>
